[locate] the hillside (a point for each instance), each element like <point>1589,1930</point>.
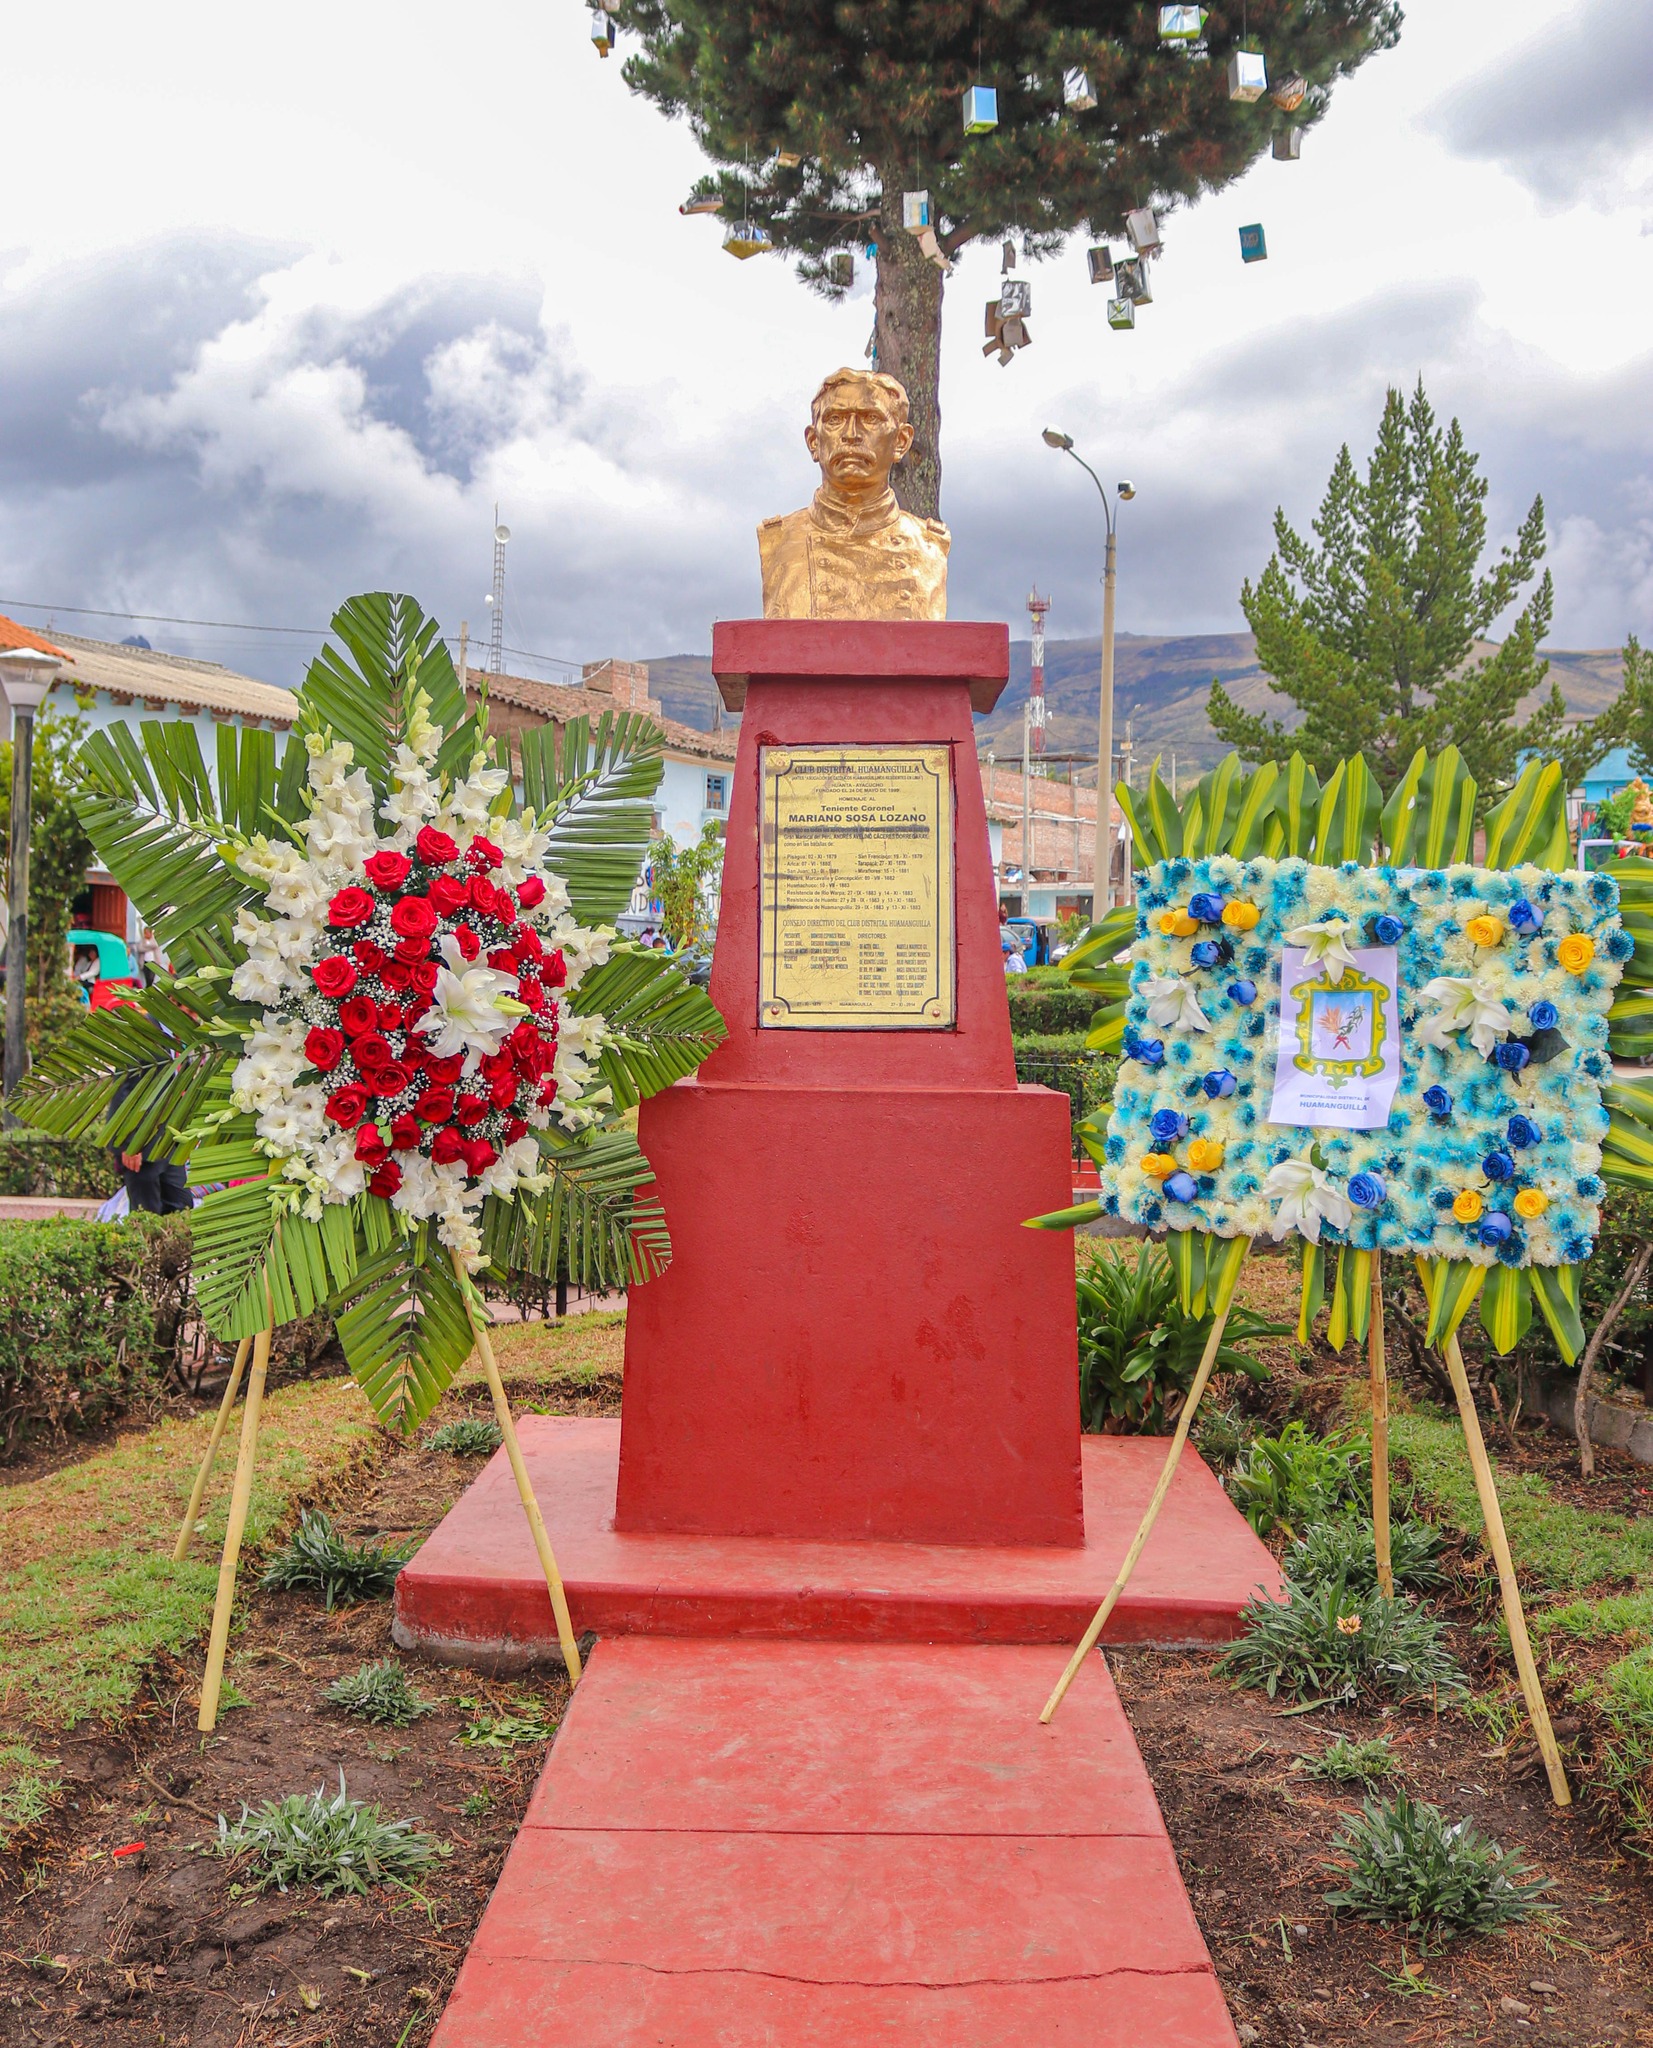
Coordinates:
<point>1161,684</point>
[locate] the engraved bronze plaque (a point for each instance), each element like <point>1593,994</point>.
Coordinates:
<point>856,889</point>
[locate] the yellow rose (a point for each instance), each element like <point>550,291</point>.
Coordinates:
<point>1576,952</point>
<point>1467,1208</point>
<point>1485,931</point>
<point>1177,924</point>
<point>1156,1165</point>
<point>1205,1155</point>
<point>1240,914</point>
<point>1531,1202</point>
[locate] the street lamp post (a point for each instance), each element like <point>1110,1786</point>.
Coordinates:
<point>1102,883</point>
<point>26,675</point>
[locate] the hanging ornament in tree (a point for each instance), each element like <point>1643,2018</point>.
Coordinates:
<point>840,270</point>
<point>746,238</point>
<point>981,109</point>
<point>1007,258</point>
<point>1130,280</point>
<point>788,159</point>
<point>1290,93</point>
<point>1007,319</point>
<point>1181,24</point>
<point>915,211</point>
<point>1143,230</point>
<point>1121,313</point>
<point>1253,245</point>
<point>602,32</point>
<point>1101,265</point>
<point>701,202</point>
<point>937,254</point>
<point>1078,94</point>
<point>1288,145</point>
<point>1247,76</point>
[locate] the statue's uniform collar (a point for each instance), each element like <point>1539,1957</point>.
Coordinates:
<point>852,518</point>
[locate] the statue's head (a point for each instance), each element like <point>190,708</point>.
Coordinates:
<point>858,430</point>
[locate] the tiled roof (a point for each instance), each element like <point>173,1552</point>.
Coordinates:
<point>12,635</point>
<point>144,678</point>
<point>559,702</point>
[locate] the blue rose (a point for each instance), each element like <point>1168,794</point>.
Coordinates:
<point>1495,1227</point>
<point>1498,1166</point>
<point>1219,1082</point>
<point>1512,1055</point>
<point>1388,931</point>
<point>1208,953</point>
<point>1521,1132</point>
<point>1524,919</point>
<point>1150,1051</point>
<point>1543,1016</point>
<point>1168,1126</point>
<point>1367,1191</point>
<point>1181,1187</point>
<point>1206,907</point>
<point>1437,1100</point>
<point>1242,992</point>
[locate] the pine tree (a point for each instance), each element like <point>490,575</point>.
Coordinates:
<point>867,96</point>
<point>1373,633</point>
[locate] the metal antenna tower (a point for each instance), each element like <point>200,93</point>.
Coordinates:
<point>1037,606</point>
<point>496,601</point>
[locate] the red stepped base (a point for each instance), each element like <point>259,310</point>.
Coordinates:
<point>474,1592</point>
<point>748,1843</point>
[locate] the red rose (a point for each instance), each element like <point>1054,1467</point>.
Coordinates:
<point>334,976</point>
<point>503,960</point>
<point>397,975</point>
<point>388,869</point>
<point>404,1134</point>
<point>502,1091</point>
<point>530,892</point>
<point>390,1079</point>
<point>412,951</point>
<point>547,1094</point>
<point>515,1129</point>
<point>424,974</point>
<point>390,1016</point>
<point>358,1014</point>
<point>448,1071</point>
<point>413,918</point>
<point>349,908</point>
<point>446,1146</point>
<point>324,1048</point>
<point>386,1181</point>
<point>416,1008</point>
<point>479,1155</point>
<point>435,1106</point>
<point>531,993</point>
<point>371,1049</point>
<point>483,853</point>
<point>555,970</point>
<point>347,1106</point>
<point>435,848</point>
<point>467,941</point>
<point>471,1109</point>
<point>371,1149</point>
<point>527,944</point>
<point>447,892</point>
<point>369,957</point>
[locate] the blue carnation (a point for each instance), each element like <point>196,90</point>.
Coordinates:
<point>1512,1055</point>
<point>1521,1132</point>
<point>1442,1198</point>
<point>1167,1126</point>
<point>1367,1191</point>
<point>1543,1016</point>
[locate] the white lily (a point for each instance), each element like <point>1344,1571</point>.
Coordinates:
<point>1465,1002</point>
<point>1173,1004</point>
<point>1307,1199</point>
<point>1327,944</point>
<point>465,1014</point>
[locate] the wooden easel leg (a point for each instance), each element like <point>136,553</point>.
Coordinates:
<point>1492,1516</point>
<point>198,1491</point>
<point>1173,1456</point>
<point>525,1490</point>
<point>1379,1376</point>
<point>240,1496</point>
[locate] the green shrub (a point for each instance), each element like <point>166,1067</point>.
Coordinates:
<point>470,1437</point>
<point>1324,1643</point>
<point>1354,1763</point>
<point>32,1163</point>
<point>1059,1060</point>
<point>1288,1481</point>
<point>318,1559</point>
<point>1344,1550</point>
<point>77,1328</point>
<point>1405,1865</point>
<point>331,1841</point>
<point>1222,1435</point>
<point>1138,1352</point>
<point>1041,1004</point>
<point>381,1693</point>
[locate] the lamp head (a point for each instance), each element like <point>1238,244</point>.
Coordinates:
<point>27,675</point>
<point>1055,438</point>
<point>1127,490</point>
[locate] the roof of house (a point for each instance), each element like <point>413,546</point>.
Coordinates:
<point>142,677</point>
<point>12,635</point>
<point>562,701</point>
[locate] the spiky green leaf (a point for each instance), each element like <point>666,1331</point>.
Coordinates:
<point>599,782</point>
<point>664,1026</point>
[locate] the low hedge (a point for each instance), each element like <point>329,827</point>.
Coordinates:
<point>77,1325</point>
<point>1044,1007</point>
<point>31,1163</point>
<point>1058,1059</point>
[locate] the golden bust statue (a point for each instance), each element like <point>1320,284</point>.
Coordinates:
<point>1641,811</point>
<point>853,553</point>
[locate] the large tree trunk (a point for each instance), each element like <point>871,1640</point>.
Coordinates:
<point>908,314</point>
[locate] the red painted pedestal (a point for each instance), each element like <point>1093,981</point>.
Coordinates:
<point>856,1336</point>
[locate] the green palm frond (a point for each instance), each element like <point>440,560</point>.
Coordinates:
<point>248,1255</point>
<point>664,1025</point>
<point>599,783</point>
<point>595,1215</point>
<point>403,1320</point>
<point>167,1064</point>
<point>365,693</point>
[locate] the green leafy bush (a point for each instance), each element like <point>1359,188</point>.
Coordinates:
<point>32,1163</point>
<point>1059,1060</point>
<point>1325,1643</point>
<point>381,1693</point>
<point>1343,1551</point>
<point>318,1559</point>
<point>1285,1482</point>
<point>77,1326</point>
<point>1138,1352</point>
<point>331,1841</point>
<point>1354,1763</point>
<point>469,1437</point>
<point>1222,1435</point>
<point>1041,1004</point>
<point>1406,1865</point>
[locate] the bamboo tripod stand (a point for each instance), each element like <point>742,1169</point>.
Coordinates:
<point>241,1493</point>
<point>1486,1492</point>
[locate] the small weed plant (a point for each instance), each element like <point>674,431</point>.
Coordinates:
<point>1285,1482</point>
<point>1222,1435</point>
<point>380,1693</point>
<point>1403,1863</point>
<point>1354,1763</point>
<point>1325,1643</point>
<point>491,1728</point>
<point>472,1436</point>
<point>1345,1549</point>
<point>327,1840</point>
<point>318,1560</point>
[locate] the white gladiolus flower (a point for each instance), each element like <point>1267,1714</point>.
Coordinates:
<point>1307,1198</point>
<point>258,980</point>
<point>1472,1002</point>
<point>471,800</point>
<point>523,848</point>
<point>465,1016</point>
<point>1328,944</point>
<point>1173,1004</point>
<point>582,949</point>
<point>337,1165</point>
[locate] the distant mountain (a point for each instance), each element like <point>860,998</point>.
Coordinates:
<point>1161,684</point>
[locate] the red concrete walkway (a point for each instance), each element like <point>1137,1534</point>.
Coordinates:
<point>475,1591</point>
<point>779,1845</point>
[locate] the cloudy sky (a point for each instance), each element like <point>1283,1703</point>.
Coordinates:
<point>289,299</point>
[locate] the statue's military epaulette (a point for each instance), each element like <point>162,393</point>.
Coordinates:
<point>936,529</point>
<point>778,520</point>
